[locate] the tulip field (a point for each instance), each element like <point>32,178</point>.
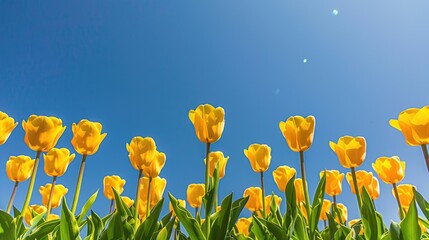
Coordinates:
<point>203,215</point>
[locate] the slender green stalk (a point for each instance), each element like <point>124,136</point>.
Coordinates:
<point>334,209</point>
<point>78,184</point>
<point>148,198</point>
<point>355,185</point>
<point>136,212</point>
<point>54,181</point>
<point>12,197</point>
<point>304,183</point>
<point>207,189</point>
<point>426,155</point>
<point>263,194</point>
<point>401,210</point>
<point>31,185</point>
<point>111,206</point>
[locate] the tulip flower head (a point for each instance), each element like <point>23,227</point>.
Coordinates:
<point>141,152</point>
<point>334,181</point>
<point>389,169</point>
<point>87,137</point>
<point>157,187</point>
<point>414,125</point>
<point>255,198</point>
<point>155,166</point>
<point>343,211</point>
<point>215,158</point>
<point>115,182</point>
<point>373,189</point>
<point>268,199</point>
<point>31,211</point>
<point>259,156</point>
<point>19,168</point>
<point>282,175</point>
<point>195,194</point>
<point>42,133</point>
<point>303,210</point>
<point>351,151</point>
<point>7,124</point>
<point>298,132</point>
<point>208,122</point>
<point>243,225</point>
<point>128,201</point>
<point>59,192</point>
<point>326,209</point>
<point>363,178</point>
<point>406,195</point>
<point>56,161</point>
<point>299,190</point>
<point>52,216</point>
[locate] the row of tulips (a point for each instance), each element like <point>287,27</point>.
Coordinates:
<point>140,218</point>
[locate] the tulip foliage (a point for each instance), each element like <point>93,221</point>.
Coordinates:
<point>209,218</point>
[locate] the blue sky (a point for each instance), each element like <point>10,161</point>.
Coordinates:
<point>138,67</point>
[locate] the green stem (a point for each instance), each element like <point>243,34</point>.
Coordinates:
<point>148,199</point>
<point>355,185</point>
<point>136,212</point>
<point>31,185</point>
<point>401,211</point>
<point>54,181</point>
<point>263,194</point>
<point>304,183</point>
<point>426,155</point>
<point>12,197</point>
<point>78,184</point>
<point>207,189</point>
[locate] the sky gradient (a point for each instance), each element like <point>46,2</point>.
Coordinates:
<point>138,67</point>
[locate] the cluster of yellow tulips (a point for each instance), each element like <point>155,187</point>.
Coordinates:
<point>42,134</point>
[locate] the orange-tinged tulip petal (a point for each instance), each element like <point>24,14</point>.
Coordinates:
<point>115,182</point>
<point>128,201</point>
<point>155,166</point>
<point>282,175</point>
<point>243,225</point>
<point>299,189</point>
<point>363,178</point>
<point>255,198</point>
<point>87,137</point>
<point>214,158</point>
<point>373,189</point>
<point>19,168</point>
<point>259,156</point>
<point>33,210</point>
<point>195,194</point>
<point>157,187</point>
<point>343,211</point>
<point>303,211</point>
<point>52,216</point>
<point>298,132</point>
<point>389,169</point>
<point>141,151</point>
<point>7,124</point>
<point>355,221</point>
<point>351,151</point>
<point>326,209</point>
<point>208,122</point>
<point>414,125</point>
<point>406,195</point>
<point>56,161</point>
<point>59,192</point>
<point>181,202</point>
<point>420,124</point>
<point>42,133</point>
<point>334,181</point>
<point>268,199</point>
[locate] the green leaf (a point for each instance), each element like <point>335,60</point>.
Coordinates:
<point>275,229</point>
<point>395,231</point>
<point>69,229</point>
<point>258,229</point>
<point>166,231</point>
<point>423,204</point>
<point>220,225</point>
<point>44,229</point>
<point>86,207</point>
<point>7,228</point>
<point>209,199</point>
<point>97,225</point>
<point>369,217</point>
<point>317,204</point>
<point>150,225</point>
<point>300,230</point>
<point>410,228</point>
<point>237,207</point>
<point>289,218</point>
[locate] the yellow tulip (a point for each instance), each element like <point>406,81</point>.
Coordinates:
<point>181,202</point>
<point>326,209</point>
<point>406,195</point>
<point>141,151</point>
<point>299,190</point>
<point>277,200</point>
<point>259,156</point>
<point>208,122</point>
<point>157,187</point>
<point>255,198</point>
<point>422,227</point>
<point>128,201</point>
<point>389,169</point>
<point>334,181</point>
<point>19,168</point>
<point>142,208</point>
<point>195,194</point>
<point>414,125</point>
<point>363,178</point>
<point>243,225</point>
<point>59,192</point>
<point>373,189</point>
<point>57,161</point>
<point>355,221</point>
<point>52,216</point>
<point>214,158</point>
<point>298,132</point>
<point>115,182</point>
<point>42,133</point>
<point>7,124</point>
<point>351,151</point>
<point>303,210</point>
<point>155,166</point>
<point>282,175</point>
<point>343,211</point>
<point>87,137</point>
<point>33,209</point>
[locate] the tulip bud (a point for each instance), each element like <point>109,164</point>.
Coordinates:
<point>282,175</point>
<point>326,209</point>
<point>195,194</point>
<point>87,137</point>
<point>351,151</point>
<point>52,216</point>
<point>303,211</point>
<point>33,210</point>
<point>42,133</point>
<point>255,198</point>
<point>214,158</point>
<point>243,225</point>
<point>363,178</point>
<point>141,152</point>
<point>259,156</point>
<point>157,187</point>
<point>208,122</point>
<point>268,199</point>
<point>128,201</point>
<point>59,192</point>
<point>298,132</point>
<point>343,211</point>
<point>57,161</point>
<point>299,190</point>
<point>334,181</point>
<point>7,124</point>
<point>19,168</point>
<point>155,166</point>
<point>115,182</point>
<point>389,169</point>
<point>406,195</point>
<point>414,125</point>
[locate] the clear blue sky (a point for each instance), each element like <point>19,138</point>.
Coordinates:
<point>138,67</point>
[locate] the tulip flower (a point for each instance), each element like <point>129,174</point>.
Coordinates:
<point>7,124</point>
<point>32,210</point>
<point>404,194</point>
<point>255,198</point>
<point>303,211</point>
<point>181,202</point>
<point>110,183</point>
<point>268,199</point>
<point>389,169</point>
<point>351,151</point>
<point>215,158</point>
<point>57,161</point>
<point>128,201</point>
<point>282,175</point>
<point>152,190</point>
<point>343,211</point>
<point>243,225</point>
<point>53,196</point>
<point>373,189</point>
<point>208,122</point>
<point>18,169</point>
<point>141,151</point>
<point>41,135</point>
<point>52,217</point>
<point>155,166</point>
<point>326,209</point>
<point>355,221</point>
<point>299,190</point>
<point>195,194</point>
<point>334,181</point>
<point>364,179</point>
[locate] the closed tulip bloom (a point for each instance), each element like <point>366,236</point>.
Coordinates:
<point>422,227</point>
<point>33,209</point>
<point>181,202</point>
<point>326,209</point>
<point>56,161</point>
<point>406,195</point>
<point>277,200</point>
<point>351,151</point>
<point>42,133</point>
<point>128,201</point>
<point>303,211</point>
<point>208,122</point>
<point>195,194</point>
<point>7,124</point>
<point>298,132</point>
<point>363,178</point>
<point>155,166</point>
<point>157,187</point>
<point>243,225</point>
<point>259,156</point>
<point>334,181</point>
<point>19,168</point>
<point>282,175</point>
<point>299,190</point>
<point>52,216</point>
<point>115,182</point>
<point>389,169</point>
<point>214,158</point>
<point>87,137</point>
<point>414,125</point>
<point>59,192</point>
<point>255,198</point>
<point>142,208</point>
<point>343,211</point>
<point>374,189</point>
<point>141,151</point>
